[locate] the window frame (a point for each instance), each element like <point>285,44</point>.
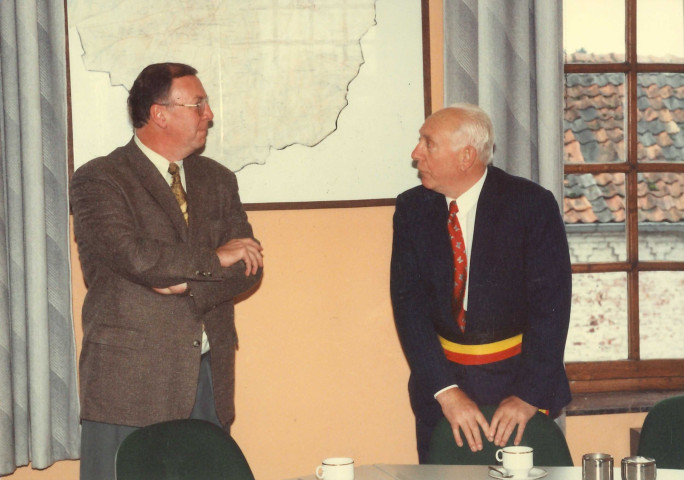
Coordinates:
<point>633,373</point>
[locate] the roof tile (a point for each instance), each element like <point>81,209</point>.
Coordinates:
<point>594,132</point>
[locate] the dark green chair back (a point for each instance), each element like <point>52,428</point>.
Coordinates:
<point>181,450</point>
<point>662,435</point>
<point>541,433</point>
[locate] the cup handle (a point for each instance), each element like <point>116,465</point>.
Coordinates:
<point>320,473</point>
<point>499,455</point>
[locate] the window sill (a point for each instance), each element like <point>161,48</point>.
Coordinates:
<point>604,403</point>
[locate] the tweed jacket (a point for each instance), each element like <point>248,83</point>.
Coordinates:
<point>519,282</point>
<point>141,350</point>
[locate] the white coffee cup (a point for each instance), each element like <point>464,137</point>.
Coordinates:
<point>517,460</point>
<point>336,468</point>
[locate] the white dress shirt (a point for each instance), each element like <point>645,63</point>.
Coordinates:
<point>467,210</point>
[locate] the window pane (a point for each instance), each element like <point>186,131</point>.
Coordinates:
<point>594,118</point>
<point>594,215</point>
<point>661,323</point>
<point>598,320</point>
<point>661,216</point>
<point>660,100</point>
<point>594,32</point>
<point>660,31</point>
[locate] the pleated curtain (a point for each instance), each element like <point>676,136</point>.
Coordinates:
<point>38,384</point>
<point>507,57</point>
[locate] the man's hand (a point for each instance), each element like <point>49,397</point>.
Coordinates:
<point>512,411</point>
<point>172,290</point>
<point>245,249</point>
<point>463,414</point>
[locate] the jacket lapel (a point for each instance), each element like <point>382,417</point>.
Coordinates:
<point>485,235</point>
<point>488,211</point>
<point>438,255</point>
<point>197,200</point>
<point>157,187</point>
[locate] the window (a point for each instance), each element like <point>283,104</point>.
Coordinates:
<point>624,192</point>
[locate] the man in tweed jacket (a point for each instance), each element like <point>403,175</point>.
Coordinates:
<point>158,319</point>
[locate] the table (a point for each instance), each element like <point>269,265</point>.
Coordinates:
<point>466,472</point>
<point>470,472</point>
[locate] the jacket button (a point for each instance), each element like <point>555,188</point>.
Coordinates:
<point>196,343</point>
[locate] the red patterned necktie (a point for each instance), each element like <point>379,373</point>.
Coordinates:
<point>460,264</point>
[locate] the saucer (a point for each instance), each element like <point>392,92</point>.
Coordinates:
<point>535,473</point>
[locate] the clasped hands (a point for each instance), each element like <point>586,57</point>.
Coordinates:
<point>465,416</point>
<point>246,249</point>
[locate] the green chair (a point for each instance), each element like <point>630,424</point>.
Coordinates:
<point>662,435</point>
<point>181,450</point>
<point>541,433</point>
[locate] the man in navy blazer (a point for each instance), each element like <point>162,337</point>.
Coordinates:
<point>517,294</point>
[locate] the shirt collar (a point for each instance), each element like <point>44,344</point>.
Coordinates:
<point>468,199</point>
<point>159,161</point>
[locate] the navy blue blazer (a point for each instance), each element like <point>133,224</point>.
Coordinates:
<point>520,282</point>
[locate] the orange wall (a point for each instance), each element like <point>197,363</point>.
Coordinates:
<point>320,371</point>
<point>602,433</point>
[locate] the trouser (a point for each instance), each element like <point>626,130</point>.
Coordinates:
<point>423,435</point>
<point>100,441</point>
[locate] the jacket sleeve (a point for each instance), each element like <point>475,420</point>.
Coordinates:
<point>547,289</point>
<point>234,282</point>
<point>414,307</point>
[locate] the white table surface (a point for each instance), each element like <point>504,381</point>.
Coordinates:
<point>468,472</point>
<point>365,472</point>
<point>456,472</point>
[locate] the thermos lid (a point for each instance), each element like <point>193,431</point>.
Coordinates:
<point>638,460</point>
<point>597,456</point>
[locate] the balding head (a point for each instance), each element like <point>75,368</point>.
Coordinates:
<point>470,126</point>
<point>454,149</point>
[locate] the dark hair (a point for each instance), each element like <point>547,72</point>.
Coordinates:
<point>152,86</point>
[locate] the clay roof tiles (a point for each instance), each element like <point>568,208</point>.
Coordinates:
<point>594,122</point>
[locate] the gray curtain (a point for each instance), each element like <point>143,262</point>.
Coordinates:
<point>506,56</point>
<point>38,383</point>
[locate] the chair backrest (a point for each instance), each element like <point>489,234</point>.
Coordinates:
<point>181,450</point>
<point>662,434</point>
<point>541,433</point>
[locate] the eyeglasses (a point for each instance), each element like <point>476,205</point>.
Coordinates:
<point>200,106</point>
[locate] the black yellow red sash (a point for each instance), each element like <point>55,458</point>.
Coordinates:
<point>482,354</point>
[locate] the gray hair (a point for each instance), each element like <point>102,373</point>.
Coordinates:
<point>476,130</point>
